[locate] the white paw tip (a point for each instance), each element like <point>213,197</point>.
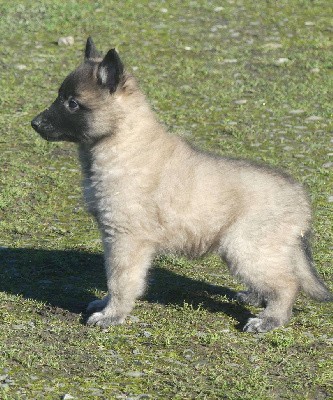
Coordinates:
<point>93,319</point>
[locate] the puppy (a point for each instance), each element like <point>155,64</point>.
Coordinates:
<point>151,193</point>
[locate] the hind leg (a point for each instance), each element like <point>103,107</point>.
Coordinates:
<point>279,306</point>
<point>265,263</point>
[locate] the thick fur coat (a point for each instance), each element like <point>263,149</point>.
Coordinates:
<point>151,193</point>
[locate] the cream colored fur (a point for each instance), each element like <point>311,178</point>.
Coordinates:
<point>151,192</point>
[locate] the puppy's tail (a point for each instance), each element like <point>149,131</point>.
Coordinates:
<point>309,279</point>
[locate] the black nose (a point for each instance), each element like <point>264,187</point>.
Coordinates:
<point>35,123</point>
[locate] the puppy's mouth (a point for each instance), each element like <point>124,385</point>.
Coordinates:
<point>46,130</point>
<point>51,136</point>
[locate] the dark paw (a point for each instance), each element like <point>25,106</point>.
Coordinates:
<point>251,298</point>
<point>97,305</point>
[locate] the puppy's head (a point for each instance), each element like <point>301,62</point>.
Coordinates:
<point>86,107</point>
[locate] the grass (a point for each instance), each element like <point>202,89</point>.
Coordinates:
<point>245,79</point>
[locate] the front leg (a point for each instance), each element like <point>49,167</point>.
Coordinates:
<point>127,260</point>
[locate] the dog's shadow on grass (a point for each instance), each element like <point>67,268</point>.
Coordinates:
<point>68,280</point>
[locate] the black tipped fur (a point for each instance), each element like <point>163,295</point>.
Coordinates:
<point>110,70</point>
<point>91,51</point>
<point>311,282</point>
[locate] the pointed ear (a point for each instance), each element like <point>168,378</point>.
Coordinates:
<point>110,71</point>
<point>91,51</point>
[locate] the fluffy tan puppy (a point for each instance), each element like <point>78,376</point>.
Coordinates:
<point>151,192</point>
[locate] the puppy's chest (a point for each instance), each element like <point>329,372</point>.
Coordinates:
<point>113,197</point>
<point>101,194</point>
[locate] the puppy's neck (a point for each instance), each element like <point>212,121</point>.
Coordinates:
<point>137,135</point>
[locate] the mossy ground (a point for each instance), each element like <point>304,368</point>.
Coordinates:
<point>240,78</point>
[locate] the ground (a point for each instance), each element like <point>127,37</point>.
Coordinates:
<point>239,78</point>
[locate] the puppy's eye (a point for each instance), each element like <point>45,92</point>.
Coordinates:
<point>73,105</point>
